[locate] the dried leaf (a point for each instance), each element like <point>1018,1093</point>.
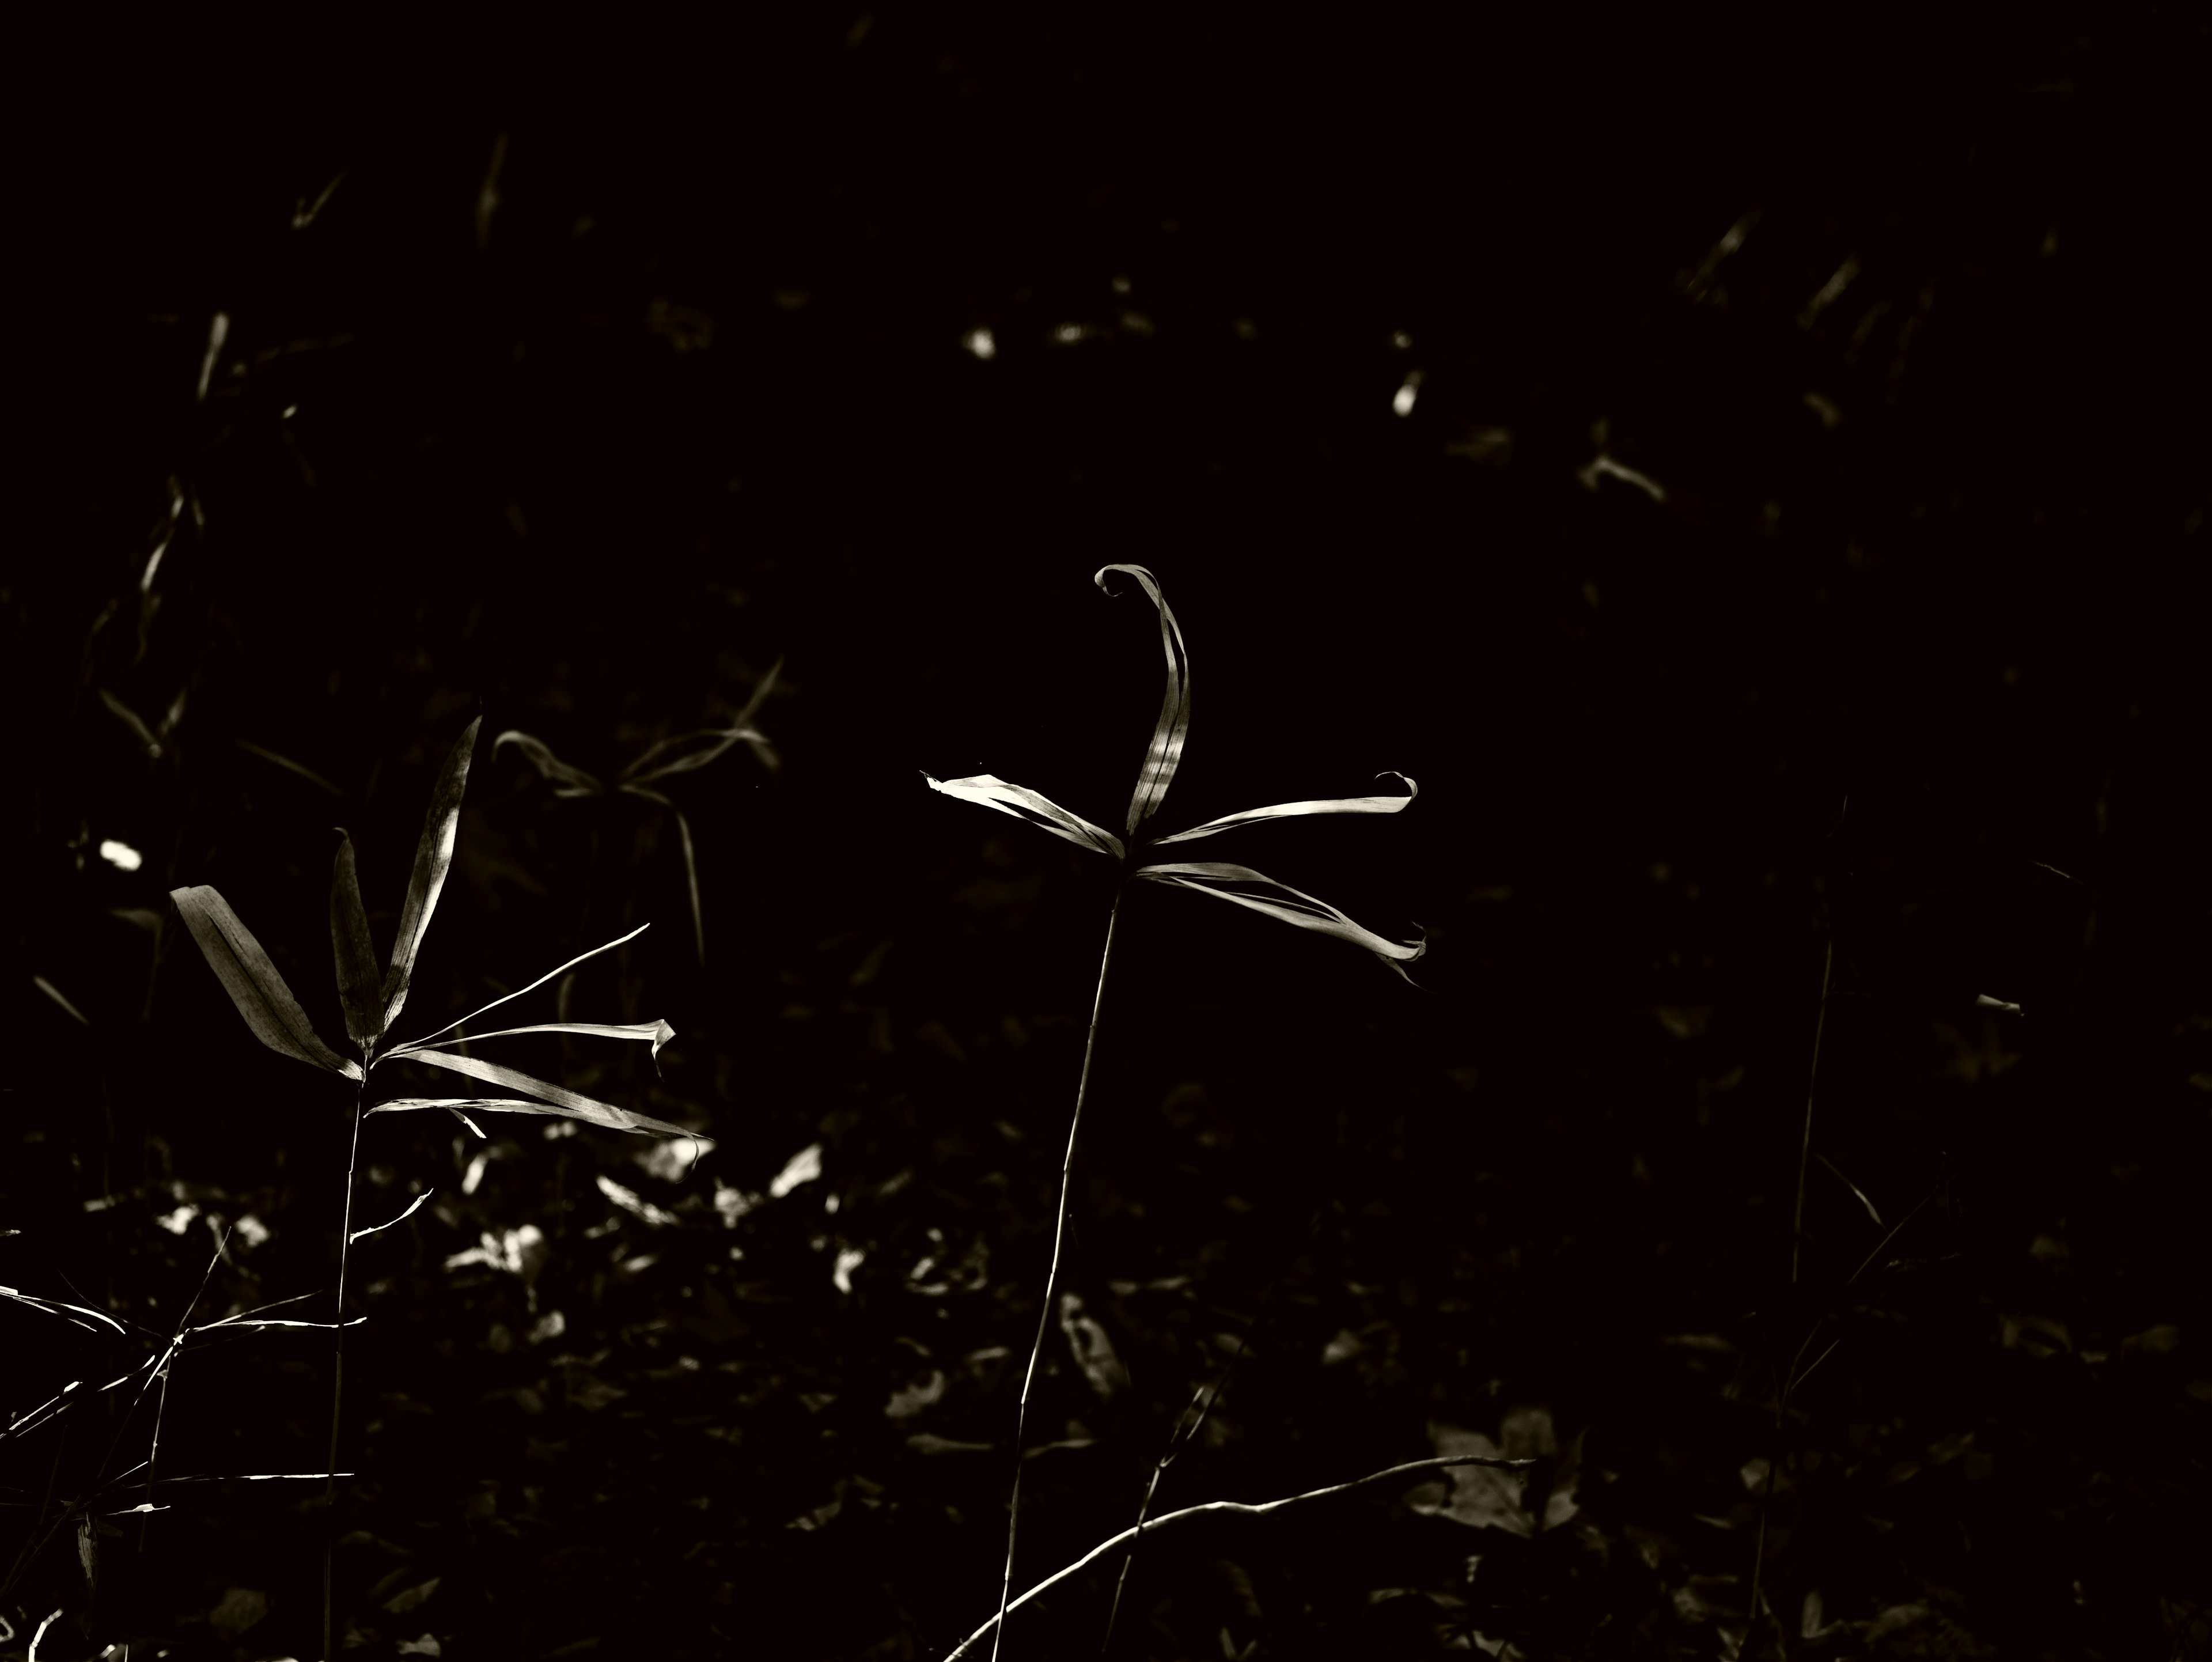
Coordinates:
<point>567,781</point>
<point>506,998</point>
<point>354,952</point>
<point>252,982</point>
<point>1302,909</point>
<point>1027,805</point>
<point>1288,810</point>
<point>1165,754</point>
<point>434,856</point>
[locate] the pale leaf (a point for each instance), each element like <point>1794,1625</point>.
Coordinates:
<point>595,1115</point>
<point>1301,909</point>
<point>434,856</point>
<point>1289,810</point>
<point>1027,805</point>
<point>252,982</point>
<point>355,954</point>
<point>574,1104</point>
<point>1164,755</point>
<point>505,998</point>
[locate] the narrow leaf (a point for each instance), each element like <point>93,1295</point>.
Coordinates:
<point>56,1307</point>
<point>1302,909</point>
<point>413,1207</point>
<point>289,765</point>
<point>577,1106</point>
<point>129,718</point>
<point>60,998</point>
<point>252,982</point>
<point>1025,804</point>
<point>641,1122</point>
<point>504,998</point>
<point>434,856</point>
<point>568,780</point>
<point>690,860</point>
<point>689,751</point>
<point>1165,754</point>
<point>1288,810</point>
<point>355,954</point>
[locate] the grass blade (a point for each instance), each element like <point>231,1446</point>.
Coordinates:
<point>354,952</point>
<point>597,1113</point>
<point>434,856</point>
<point>1165,754</point>
<point>56,1307</point>
<point>289,765</point>
<point>690,858</point>
<point>1025,804</point>
<point>1288,810</point>
<point>252,982</point>
<point>1302,909</point>
<point>413,1044</point>
<point>656,1033</point>
<point>567,781</point>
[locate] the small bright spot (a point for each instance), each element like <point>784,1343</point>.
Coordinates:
<point>849,1259</point>
<point>1067,334</point>
<point>252,1230</point>
<point>1402,401</point>
<point>804,1166</point>
<point>290,410</point>
<point>121,856</point>
<point>178,1222</point>
<point>1136,323</point>
<point>1825,409</point>
<point>1400,339</point>
<point>1120,285</point>
<point>979,342</point>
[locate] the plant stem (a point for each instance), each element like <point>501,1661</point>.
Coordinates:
<point>1805,1147</point>
<point>338,1377</point>
<point>1052,1276</point>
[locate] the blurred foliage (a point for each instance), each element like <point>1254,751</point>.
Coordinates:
<point>1792,426</point>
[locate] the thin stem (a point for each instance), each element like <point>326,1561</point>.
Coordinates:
<point>1805,1147</point>
<point>1222,1508</point>
<point>338,1376</point>
<point>1052,1276</point>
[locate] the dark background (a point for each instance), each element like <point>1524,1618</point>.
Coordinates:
<point>688,395</point>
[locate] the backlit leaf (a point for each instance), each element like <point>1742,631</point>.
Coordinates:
<point>252,982</point>
<point>1027,805</point>
<point>1288,810</point>
<point>1165,754</point>
<point>625,1122</point>
<point>1301,909</point>
<point>434,856</point>
<point>355,954</point>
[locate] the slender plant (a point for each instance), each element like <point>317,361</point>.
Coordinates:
<point>371,1003</point>
<point>686,753</point>
<point>1239,885</point>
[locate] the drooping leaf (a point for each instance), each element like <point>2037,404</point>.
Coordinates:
<point>567,781</point>
<point>1288,810</point>
<point>595,1115</point>
<point>689,753</point>
<point>1300,909</point>
<point>505,998</point>
<point>355,954</point>
<point>574,1104</point>
<point>129,718</point>
<point>1165,754</point>
<point>434,856</point>
<point>252,982</point>
<point>1027,805</point>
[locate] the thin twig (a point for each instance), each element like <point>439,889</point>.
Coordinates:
<point>1218,1508</point>
<point>1052,1276</point>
